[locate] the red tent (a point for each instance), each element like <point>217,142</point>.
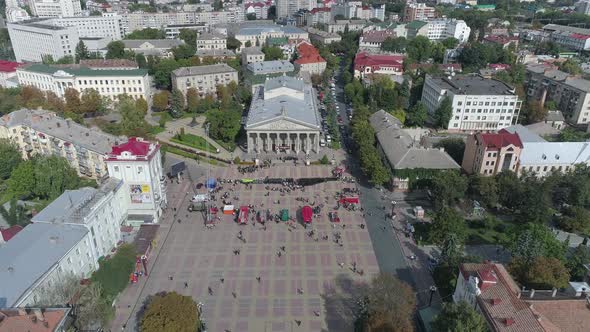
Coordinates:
<point>243,217</point>
<point>307,213</point>
<point>349,199</point>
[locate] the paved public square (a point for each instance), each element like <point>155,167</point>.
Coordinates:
<point>307,288</point>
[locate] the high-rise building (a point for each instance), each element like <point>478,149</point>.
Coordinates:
<point>56,8</point>
<point>33,41</point>
<point>286,8</point>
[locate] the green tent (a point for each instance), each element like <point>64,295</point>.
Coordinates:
<point>284,214</point>
<point>247,180</point>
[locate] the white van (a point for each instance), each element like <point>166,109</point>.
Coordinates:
<point>322,142</point>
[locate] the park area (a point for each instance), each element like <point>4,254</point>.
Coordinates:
<point>193,141</point>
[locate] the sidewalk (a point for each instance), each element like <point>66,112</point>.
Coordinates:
<point>127,300</point>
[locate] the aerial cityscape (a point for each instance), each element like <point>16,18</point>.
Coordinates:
<point>295,165</point>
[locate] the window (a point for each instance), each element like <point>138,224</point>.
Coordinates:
<point>487,103</point>
<point>545,169</point>
<point>139,169</point>
<point>459,103</point>
<point>77,251</point>
<point>468,103</point>
<point>116,168</point>
<point>70,260</point>
<point>458,110</point>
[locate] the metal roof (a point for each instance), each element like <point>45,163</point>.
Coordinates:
<point>203,70</point>
<point>78,70</point>
<point>266,67</point>
<point>31,254</point>
<point>472,85</point>
<point>156,43</point>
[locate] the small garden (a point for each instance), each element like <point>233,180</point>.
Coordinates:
<point>193,141</point>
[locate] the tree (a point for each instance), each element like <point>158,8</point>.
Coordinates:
<point>248,44</point>
<point>132,119</point>
<point>147,33</point>
<point>571,66</point>
<point>10,157</point>
<point>224,125</point>
<point>534,112</point>
<point>192,100</point>
<point>81,51</point>
<point>90,308</point>
<point>417,115</point>
<point>451,251</point>
<point>73,102</point>
<point>22,180</point>
<point>92,103</point>
<point>419,48</point>
<point>58,294</point>
<point>184,51</point>
<point>576,219</point>
<point>454,146</point>
<point>534,241</point>
<point>141,61</point>
<point>447,221</point>
<point>233,43</point>
<point>30,97</point>
<point>115,50</point>
<point>447,188</point>
<point>141,105</point>
<point>160,101</point>
<point>443,114</point>
<point>251,17</point>
<point>459,317</point>
<point>484,189</point>
<point>163,71</point>
<point>541,273</point>
<point>272,53</point>
<point>171,312</point>
<point>54,102</point>
<point>189,36</point>
<point>450,42</point>
<point>177,102</point>
<point>389,305</point>
<point>577,260</point>
<point>391,44</point>
<point>15,214</point>
<point>52,176</point>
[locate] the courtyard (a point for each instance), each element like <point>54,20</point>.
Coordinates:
<point>245,284</point>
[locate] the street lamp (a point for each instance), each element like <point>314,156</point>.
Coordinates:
<point>432,291</point>
<point>393,203</point>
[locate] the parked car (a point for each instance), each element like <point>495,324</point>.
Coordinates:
<point>322,142</point>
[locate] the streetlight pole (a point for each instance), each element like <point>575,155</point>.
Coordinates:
<point>393,203</point>
<point>432,291</point>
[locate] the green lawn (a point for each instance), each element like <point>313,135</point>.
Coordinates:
<point>230,147</point>
<point>180,152</point>
<point>194,141</point>
<point>485,231</point>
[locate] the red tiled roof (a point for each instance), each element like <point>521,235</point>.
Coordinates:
<point>376,61</point>
<point>8,66</point>
<point>136,146</point>
<point>13,320</point>
<point>375,36</point>
<point>579,36</point>
<point>323,9</point>
<point>307,54</point>
<point>9,233</point>
<point>499,66</point>
<point>500,303</point>
<point>500,140</point>
<point>562,315</point>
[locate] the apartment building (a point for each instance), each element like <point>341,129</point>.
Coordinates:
<point>212,41</point>
<point>309,59</point>
<point>138,21</point>
<point>259,34</point>
<point>108,83</point>
<point>343,25</point>
<point>319,16</point>
<point>323,37</point>
<point>576,39</point>
<point>478,103</point>
<point>570,93</point>
<point>161,48</point>
<point>583,7</point>
<point>43,132</point>
<point>55,8</point>
<point>493,153</point>
<point>258,8</point>
<point>366,64</point>
<point>373,39</point>
<point>418,11</point>
<point>106,25</point>
<point>439,29</point>
<point>31,41</point>
<point>204,78</point>
<point>252,55</point>
<point>286,8</point>
<point>173,30</point>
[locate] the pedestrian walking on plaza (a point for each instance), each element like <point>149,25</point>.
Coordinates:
<point>222,280</point>
<point>210,291</point>
<point>170,277</point>
<point>258,279</point>
<point>298,322</point>
<point>185,284</point>
<point>234,295</point>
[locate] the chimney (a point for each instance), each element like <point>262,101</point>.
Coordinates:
<point>39,315</point>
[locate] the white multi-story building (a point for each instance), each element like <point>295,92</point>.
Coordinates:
<point>258,8</point>
<point>43,132</point>
<point>583,7</point>
<point>378,11</point>
<point>139,164</point>
<point>286,8</point>
<point>204,78</point>
<point>577,39</point>
<point>440,29</point>
<point>33,41</point>
<point>212,41</point>
<point>139,20</point>
<point>107,25</point>
<point>16,14</point>
<point>108,83</point>
<point>55,8</point>
<point>478,104</point>
<point>257,35</point>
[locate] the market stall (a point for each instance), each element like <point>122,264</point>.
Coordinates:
<point>243,216</point>
<point>307,213</point>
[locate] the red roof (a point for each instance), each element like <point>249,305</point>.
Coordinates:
<point>307,54</point>
<point>8,66</point>
<point>579,36</point>
<point>324,9</point>
<point>377,36</point>
<point>499,66</point>
<point>10,232</point>
<point>376,61</point>
<point>137,147</point>
<point>500,140</point>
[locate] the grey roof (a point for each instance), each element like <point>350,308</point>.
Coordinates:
<point>215,52</point>
<point>49,123</point>
<point>203,70</point>
<point>298,106</point>
<point>252,50</point>
<point>74,205</point>
<point>554,116</point>
<point>400,148</point>
<point>157,43</point>
<point>565,28</point>
<point>524,133</point>
<point>31,253</point>
<point>472,85</point>
<point>210,36</point>
<point>579,83</point>
<point>270,67</point>
<point>258,29</point>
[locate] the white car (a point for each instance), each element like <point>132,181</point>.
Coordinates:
<point>322,142</point>
<point>328,139</point>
